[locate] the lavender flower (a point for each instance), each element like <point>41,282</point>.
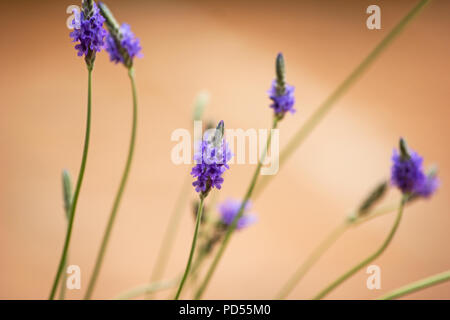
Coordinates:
<point>407,173</point>
<point>230,208</point>
<point>127,41</point>
<point>121,43</point>
<point>88,31</point>
<point>281,94</point>
<point>211,162</point>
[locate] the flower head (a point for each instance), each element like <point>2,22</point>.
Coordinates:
<point>230,208</point>
<point>211,161</point>
<point>88,31</point>
<point>126,47</point>
<point>407,173</point>
<point>281,94</point>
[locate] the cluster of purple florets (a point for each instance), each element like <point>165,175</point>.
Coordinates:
<point>211,162</point>
<point>127,40</point>
<point>88,31</point>
<point>282,102</point>
<point>408,175</point>
<point>230,208</point>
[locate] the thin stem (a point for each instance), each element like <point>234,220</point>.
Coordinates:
<point>418,285</point>
<point>147,288</point>
<point>334,235</point>
<point>169,236</point>
<point>62,287</point>
<point>343,87</point>
<point>367,260</point>
<point>193,246</point>
<point>233,226</point>
<point>77,190</point>
<point>312,259</point>
<point>123,181</point>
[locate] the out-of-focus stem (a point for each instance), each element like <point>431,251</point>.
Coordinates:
<point>418,285</point>
<point>367,260</point>
<point>343,87</point>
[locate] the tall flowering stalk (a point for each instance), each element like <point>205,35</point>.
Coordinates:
<point>123,47</point>
<point>211,162</point>
<point>283,100</point>
<point>167,242</point>
<point>408,176</point>
<point>89,35</point>
<point>324,108</point>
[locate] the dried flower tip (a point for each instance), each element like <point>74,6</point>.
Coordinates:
<point>219,133</point>
<point>372,198</point>
<point>404,153</point>
<point>281,74</point>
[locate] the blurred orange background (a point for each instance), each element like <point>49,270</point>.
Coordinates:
<point>228,49</point>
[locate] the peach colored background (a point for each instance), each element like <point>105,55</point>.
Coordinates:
<point>227,48</point>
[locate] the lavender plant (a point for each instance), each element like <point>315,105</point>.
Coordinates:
<point>167,242</point>
<point>123,47</point>
<point>283,100</point>
<point>211,163</point>
<point>89,35</point>
<point>408,176</point>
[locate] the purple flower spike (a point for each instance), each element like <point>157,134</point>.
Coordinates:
<point>230,208</point>
<point>128,42</point>
<point>281,94</point>
<point>211,162</point>
<point>407,173</point>
<point>282,103</point>
<point>88,31</point>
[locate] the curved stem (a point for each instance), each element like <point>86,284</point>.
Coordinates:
<point>334,235</point>
<point>194,244</point>
<point>77,189</point>
<point>169,235</point>
<point>416,286</point>
<point>312,259</point>
<point>233,226</point>
<point>343,87</point>
<point>123,181</point>
<point>369,259</point>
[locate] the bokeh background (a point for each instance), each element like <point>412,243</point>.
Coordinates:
<point>228,49</point>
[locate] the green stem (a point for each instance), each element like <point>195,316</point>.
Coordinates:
<point>334,235</point>
<point>169,236</point>
<point>123,181</point>
<point>77,190</point>
<point>62,287</point>
<point>233,226</point>
<point>312,259</point>
<point>418,285</point>
<point>343,87</point>
<point>367,260</point>
<point>194,244</point>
